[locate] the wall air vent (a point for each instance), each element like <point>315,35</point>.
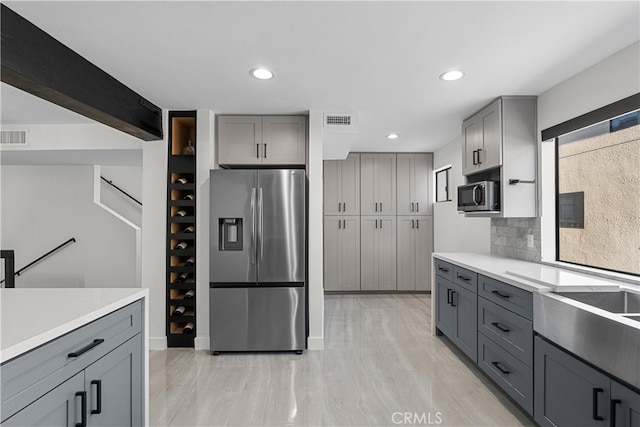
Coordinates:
<point>341,122</point>
<point>13,137</point>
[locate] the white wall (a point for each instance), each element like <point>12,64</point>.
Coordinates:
<point>610,80</point>
<point>43,206</point>
<point>129,179</point>
<point>453,232</point>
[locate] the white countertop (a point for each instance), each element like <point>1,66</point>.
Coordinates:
<point>529,275</point>
<point>32,317</point>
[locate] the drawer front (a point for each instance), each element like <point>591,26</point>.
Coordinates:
<point>513,376</point>
<point>466,278</point>
<point>515,299</point>
<point>510,331</point>
<point>443,269</point>
<point>27,377</point>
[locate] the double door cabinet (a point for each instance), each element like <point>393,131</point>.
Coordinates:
<point>388,197</point>
<point>92,376</point>
<point>492,323</point>
<point>261,140</point>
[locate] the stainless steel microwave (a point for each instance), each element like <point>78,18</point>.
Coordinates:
<point>479,196</point>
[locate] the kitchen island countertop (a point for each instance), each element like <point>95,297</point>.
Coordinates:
<point>32,317</point>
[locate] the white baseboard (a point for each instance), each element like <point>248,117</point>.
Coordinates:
<point>157,343</point>
<point>315,343</point>
<point>202,343</point>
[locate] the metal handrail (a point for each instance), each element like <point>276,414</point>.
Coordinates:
<point>34,262</point>
<point>121,190</point>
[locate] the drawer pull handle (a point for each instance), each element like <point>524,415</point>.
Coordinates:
<point>98,384</point>
<point>446,270</point>
<point>596,390</point>
<point>612,409</point>
<point>500,368</point>
<point>465,278</point>
<point>500,294</point>
<point>499,326</point>
<point>86,348</point>
<point>83,403</point>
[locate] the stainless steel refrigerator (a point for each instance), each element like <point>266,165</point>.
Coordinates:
<point>257,260</point>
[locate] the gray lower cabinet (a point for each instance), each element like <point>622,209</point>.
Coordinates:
<point>415,244</point>
<point>341,253</point>
<point>457,315</point>
<point>92,376</point>
<point>624,407</point>
<point>378,253</point>
<point>568,392</point>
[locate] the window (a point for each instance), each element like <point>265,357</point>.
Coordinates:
<point>442,184</point>
<point>598,195</point>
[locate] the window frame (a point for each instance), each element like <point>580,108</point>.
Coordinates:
<point>449,196</point>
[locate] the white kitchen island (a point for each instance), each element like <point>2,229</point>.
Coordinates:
<point>83,340</point>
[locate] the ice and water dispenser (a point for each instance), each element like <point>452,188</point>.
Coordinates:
<point>230,234</point>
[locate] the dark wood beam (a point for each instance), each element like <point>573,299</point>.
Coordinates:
<point>37,63</point>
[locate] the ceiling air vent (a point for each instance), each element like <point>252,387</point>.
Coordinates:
<point>341,122</point>
<point>13,137</point>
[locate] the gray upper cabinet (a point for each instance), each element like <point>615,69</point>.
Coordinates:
<point>342,186</point>
<point>378,184</point>
<point>341,253</point>
<point>262,140</point>
<point>482,139</point>
<point>413,187</point>
<point>378,253</point>
<point>415,245</point>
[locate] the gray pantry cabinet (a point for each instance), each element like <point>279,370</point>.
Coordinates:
<point>92,376</point>
<point>569,392</point>
<point>377,184</point>
<point>413,186</point>
<point>261,140</point>
<point>342,186</point>
<point>415,244</point>
<point>378,253</point>
<point>342,253</point>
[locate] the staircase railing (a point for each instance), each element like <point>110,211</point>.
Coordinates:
<point>10,278</point>
<point>121,190</point>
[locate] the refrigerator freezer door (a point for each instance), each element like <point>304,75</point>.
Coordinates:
<point>281,226</point>
<point>233,214</point>
<point>257,319</point>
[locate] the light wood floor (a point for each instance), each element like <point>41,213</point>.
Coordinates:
<point>379,363</point>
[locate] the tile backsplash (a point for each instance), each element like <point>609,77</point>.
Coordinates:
<point>509,238</point>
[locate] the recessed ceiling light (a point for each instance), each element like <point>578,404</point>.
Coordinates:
<point>262,73</point>
<point>392,136</point>
<point>452,75</point>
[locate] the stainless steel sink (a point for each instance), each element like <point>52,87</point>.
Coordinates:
<point>620,302</point>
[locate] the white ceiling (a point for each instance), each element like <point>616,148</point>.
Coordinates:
<point>380,59</point>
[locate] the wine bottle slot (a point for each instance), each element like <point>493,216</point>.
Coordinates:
<point>189,197</point>
<point>181,212</point>
<point>190,294</point>
<point>181,181</point>
<point>189,262</point>
<point>183,277</point>
<point>179,311</point>
<point>190,229</point>
<point>181,246</point>
<point>188,328</point>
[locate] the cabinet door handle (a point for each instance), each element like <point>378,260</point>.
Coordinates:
<point>98,384</point>
<point>376,207</point>
<point>380,224</point>
<point>258,151</point>
<point>376,223</point>
<point>500,294</point>
<point>344,223</point>
<point>411,206</point>
<point>449,296</point>
<point>596,390</point>
<point>339,206</point>
<point>417,223</point>
<point>479,150</point>
<point>452,301</point>
<point>83,406</point>
<point>500,368</point>
<point>474,157</point>
<point>612,410</point>
<point>380,206</point>
<point>412,224</point>
<point>86,348</point>
<point>465,278</point>
<point>339,224</point>
<point>499,326</point>
<point>445,270</point>
<point>265,150</point>
<point>344,206</point>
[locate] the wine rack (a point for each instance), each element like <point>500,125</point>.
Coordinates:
<point>181,230</point>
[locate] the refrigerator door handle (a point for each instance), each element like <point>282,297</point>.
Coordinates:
<point>253,226</point>
<point>260,223</point>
